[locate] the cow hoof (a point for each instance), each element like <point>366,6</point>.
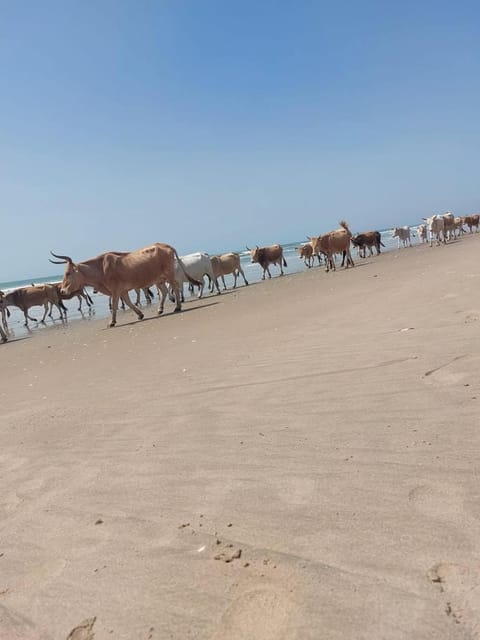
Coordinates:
<point>177,309</point>
<point>246,283</point>
<point>112,324</point>
<point>141,316</point>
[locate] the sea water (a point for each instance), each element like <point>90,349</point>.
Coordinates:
<point>100,309</point>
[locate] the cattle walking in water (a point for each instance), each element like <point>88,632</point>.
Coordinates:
<point>403,235</point>
<point>472,221</point>
<point>42,295</point>
<point>367,239</point>
<point>265,256</point>
<point>225,264</point>
<point>115,274</point>
<point>333,242</point>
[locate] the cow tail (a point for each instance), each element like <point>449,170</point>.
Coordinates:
<point>196,283</point>
<point>382,243</point>
<point>8,311</point>
<point>284,262</point>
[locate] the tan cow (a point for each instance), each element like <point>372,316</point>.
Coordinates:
<point>333,242</point>
<point>116,273</point>
<point>225,264</point>
<point>448,226</point>
<point>37,295</point>
<point>265,256</point>
<point>472,221</point>
<point>422,233</point>
<point>306,252</point>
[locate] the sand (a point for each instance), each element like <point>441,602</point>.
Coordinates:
<point>293,460</point>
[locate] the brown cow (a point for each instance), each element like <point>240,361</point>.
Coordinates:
<point>115,274</point>
<point>471,221</point>
<point>81,294</point>
<point>367,239</point>
<point>37,295</point>
<point>225,264</point>
<point>306,252</point>
<point>265,256</point>
<point>333,242</point>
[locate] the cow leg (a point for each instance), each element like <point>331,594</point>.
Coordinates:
<point>137,299</point>
<point>162,295</point>
<point>129,303</point>
<point>200,290</point>
<point>113,307</point>
<point>45,311</point>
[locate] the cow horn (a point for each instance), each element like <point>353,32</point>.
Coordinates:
<point>257,246</point>
<point>248,248</point>
<point>64,259</point>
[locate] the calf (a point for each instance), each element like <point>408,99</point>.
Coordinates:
<point>306,252</point>
<point>38,295</point>
<point>422,232</point>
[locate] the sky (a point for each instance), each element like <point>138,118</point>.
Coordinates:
<point>213,124</point>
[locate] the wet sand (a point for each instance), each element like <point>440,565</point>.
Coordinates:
<point>293,460</point>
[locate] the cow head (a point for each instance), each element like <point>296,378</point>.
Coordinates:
<point>73,279</point>
<point>254,254</point>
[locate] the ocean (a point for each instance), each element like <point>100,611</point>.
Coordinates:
<point>253,273</point>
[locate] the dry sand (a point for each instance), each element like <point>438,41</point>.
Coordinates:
<point>286,461</point>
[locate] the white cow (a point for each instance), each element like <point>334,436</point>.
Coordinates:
<point>459,230</point>
<point>197,265</point>
<point>403,234</point>
<point>436,228</point>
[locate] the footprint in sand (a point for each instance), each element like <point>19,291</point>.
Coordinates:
<point>444,502</point>
<point>460,587</point>
<point>259,614</point>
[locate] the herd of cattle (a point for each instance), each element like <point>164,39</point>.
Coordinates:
<point>115,274</point>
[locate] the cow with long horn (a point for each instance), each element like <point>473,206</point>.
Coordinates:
<point>116,273</point>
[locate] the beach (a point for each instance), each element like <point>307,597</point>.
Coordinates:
<point>296,459</point>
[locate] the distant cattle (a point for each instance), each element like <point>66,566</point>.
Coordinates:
<point>422,232</point>
<point>436,228</point>
<point>403,235</point>
<point>116,273</point>
<point>367,239</point>
<point>472,221</point>
<point>38,295</point>
<point>306,252</point>
<point>265,256</point>
<point>225,264</point>
<point>333,242</point>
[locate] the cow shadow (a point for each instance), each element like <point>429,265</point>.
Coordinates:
<point>163,315</point>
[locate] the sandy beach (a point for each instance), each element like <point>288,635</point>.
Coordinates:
<point>293,460</point>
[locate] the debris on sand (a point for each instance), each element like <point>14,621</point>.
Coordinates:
<point>84,631</point>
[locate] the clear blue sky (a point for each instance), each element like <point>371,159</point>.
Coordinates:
<point>214,124</point>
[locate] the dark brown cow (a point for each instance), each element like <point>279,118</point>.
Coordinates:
<point>333,242</point>
<point>265,256</point>
<point>472,221</point>
<point>37,295</point>
<point>116,273</point>
<point>367,239</point>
